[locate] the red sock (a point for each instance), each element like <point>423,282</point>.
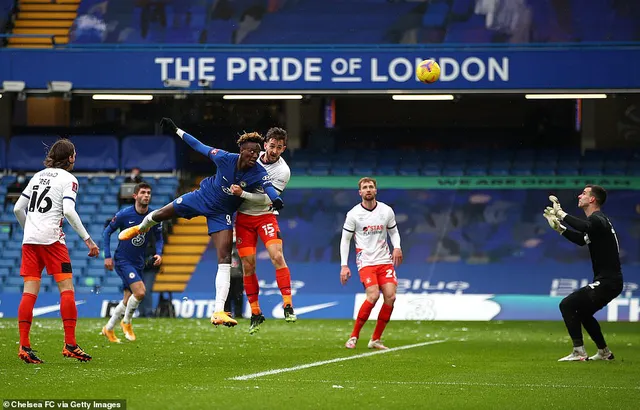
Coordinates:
<point>283,278</point>
<point>363,315</point>
<point>69,314</point>
<point>383,319</point>
<point>25,316</point>
<point>252,289</point>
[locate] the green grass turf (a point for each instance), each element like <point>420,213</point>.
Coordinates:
<point>189,364</point>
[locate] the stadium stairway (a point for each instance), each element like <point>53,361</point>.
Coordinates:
<point>185,245</point>
<point>43,17</point>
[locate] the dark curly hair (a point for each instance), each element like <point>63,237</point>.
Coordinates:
<point>250,137</point>
<point>59,153</point>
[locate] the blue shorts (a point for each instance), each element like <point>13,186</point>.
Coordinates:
<point>192,204</point>
<point>128,273</point>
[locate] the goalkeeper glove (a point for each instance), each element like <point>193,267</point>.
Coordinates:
<point>168,124</point>
<point>557,209</point>
<point>553,220</point>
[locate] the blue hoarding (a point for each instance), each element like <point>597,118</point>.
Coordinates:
<point>328,68</point>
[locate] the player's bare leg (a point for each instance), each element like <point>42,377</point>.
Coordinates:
<point>153,218</point>
<point>223,241</point>
<point>138,293</point>
<point>373,294</point>
<point>251,287</point>
<point>283,278</point>
<point>25,316</point>
<point>389,296</point>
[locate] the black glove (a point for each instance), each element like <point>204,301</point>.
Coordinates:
<point>168,125</point>
<point>277,204</point>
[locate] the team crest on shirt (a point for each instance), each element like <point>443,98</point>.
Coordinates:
<point>74,187</point>
<point>243,184</point>
<point>138,240</point>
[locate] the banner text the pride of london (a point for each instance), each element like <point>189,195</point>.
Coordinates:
<point>325,68</point>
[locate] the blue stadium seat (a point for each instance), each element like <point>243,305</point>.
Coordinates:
<point>386,170</point>
<point>136,153</point>
<point>436,15</point>
<point>11,289</point>
<point>111,280</point>
<point>97,153</point>
<point>7,263</point>
<point>340,170</point>
<point>4,271</point>
<point>110,289</point>
<point>96,272</point>
<point>84,289</point>
<point>317,172</point>
<point>97,189</point>
<point>11,253</point>
<point>431,170</point>
<point>13,280</point>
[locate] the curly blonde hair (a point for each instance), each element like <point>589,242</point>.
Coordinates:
<point>250,137</point>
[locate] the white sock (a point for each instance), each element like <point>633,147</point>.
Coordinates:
<point>580,349</point>
<point>132,305</point>
<point>118,312</point>
<point>223,282</point>
<point>148,221</point>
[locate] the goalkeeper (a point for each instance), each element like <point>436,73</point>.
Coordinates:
<point>579,307</point>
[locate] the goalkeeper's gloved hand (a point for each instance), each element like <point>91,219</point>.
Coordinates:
<point>168,124</point>
<point>557,209</point>
<point>553,220</point>
<point>277,204</point>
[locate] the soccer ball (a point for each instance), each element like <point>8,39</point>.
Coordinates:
<point>428,71</point>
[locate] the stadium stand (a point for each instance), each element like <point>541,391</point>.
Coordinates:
<point>96,204</point>
<point>379,21</point>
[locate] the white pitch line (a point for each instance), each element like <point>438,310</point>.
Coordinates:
<point>340,359</point>
<point>469,384</point>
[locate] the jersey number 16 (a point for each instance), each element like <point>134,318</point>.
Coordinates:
<point>37,200</point>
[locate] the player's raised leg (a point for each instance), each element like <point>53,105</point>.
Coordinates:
<point>153,218</point>
<point>25,316</point>
<point>223,241</point>
<point>69,314</point>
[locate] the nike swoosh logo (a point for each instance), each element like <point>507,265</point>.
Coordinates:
<point>225,179</point>
<point>278,313</point>
<point>39,311</point>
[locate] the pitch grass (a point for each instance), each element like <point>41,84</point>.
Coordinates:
<point>189,364</point>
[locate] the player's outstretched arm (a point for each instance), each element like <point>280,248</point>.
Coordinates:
<point>169,125</point>
<point>19,209</point>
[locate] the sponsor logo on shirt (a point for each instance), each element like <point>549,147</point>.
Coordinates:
<point>372,229</point>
